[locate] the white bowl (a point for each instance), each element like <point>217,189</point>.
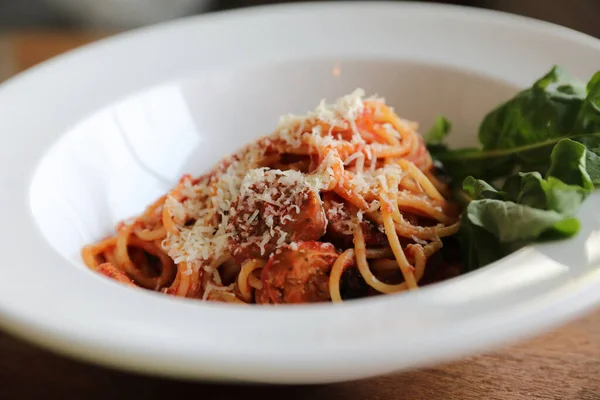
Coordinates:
<point>93,136</point>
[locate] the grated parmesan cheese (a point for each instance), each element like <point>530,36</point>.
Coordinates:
<point>267,201</point>
<point>206,239</point>
<point>341,114</point>
<point>419,241</point>
<point>391,130</point>
<point>210,200</point>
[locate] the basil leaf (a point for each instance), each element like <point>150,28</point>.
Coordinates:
<point>588,119</point>
<point>528,190</point>
<point>511,222</point>
<point>462,163</point>
<point>551,131</point>
<point>592,156</point>
<point>592,166</point>
<point>478,189</point>
<point>564,229</point>
<point>478,246</point>
<point>546,110</point>
<point>502,163</point>
<point>528,209</point>
<point>568,163</point>
<point>438,131</point>
<point>562,198</point>
<point>521,133</point>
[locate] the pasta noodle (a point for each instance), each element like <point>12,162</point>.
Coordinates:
<point>343,202</point>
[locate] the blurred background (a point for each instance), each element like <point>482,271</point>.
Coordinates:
<point>34,30</point>
<point>124,14</point>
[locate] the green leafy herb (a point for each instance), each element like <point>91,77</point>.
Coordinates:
<point>510,222</point>
<point>478,246</point>
<point>588,118</point>
<point>528,208</point>
<point>568,163</point>
<point>538,162</point>
<point>546,110</point>
<point>592,155</point>
<point>478,189</point>
<point>493,164</point>
<point>438,131</point>
<point>521,133</point>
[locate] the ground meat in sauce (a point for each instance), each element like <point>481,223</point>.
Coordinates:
<point>109,270</point>
<point>298,274</point>
<point>301,220</point>
<point>339,227</point>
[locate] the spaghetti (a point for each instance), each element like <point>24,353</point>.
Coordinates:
<point>343,202</point>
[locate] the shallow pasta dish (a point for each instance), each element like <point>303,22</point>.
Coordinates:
<point>341,203</point>
<point>347,202</point>
<point>69,173</point>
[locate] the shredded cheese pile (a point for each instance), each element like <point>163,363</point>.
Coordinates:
<point>207,203</point>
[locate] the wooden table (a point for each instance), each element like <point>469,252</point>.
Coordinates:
<point>564,364</point>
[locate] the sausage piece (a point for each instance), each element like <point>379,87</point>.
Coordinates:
<point>298,274</point>
<point>109,270</point>
<point>274,207</point>
<point>340,226</point>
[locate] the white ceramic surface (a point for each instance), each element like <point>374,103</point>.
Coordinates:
<point>87,143</point>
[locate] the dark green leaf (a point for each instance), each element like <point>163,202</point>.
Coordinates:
<point>588,118</point>
<point>465,162</point>
<point>562,198</point>
<point>512,187</point>
<point>552,132</point>
<point>478,189</point>
<point>510,222</point>
<point>438,131</point>
<point>592,166</point>
<point>546,110</point>
<point>568,164</point>
<point>478,246</point>
<point>591,141</point>
<point>502,163</point>
<point>592,156</point>
<point>530,191</point>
